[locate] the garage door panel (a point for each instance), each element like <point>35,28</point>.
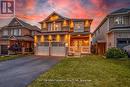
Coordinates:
<point>58,51</point>
<point>43,50</point>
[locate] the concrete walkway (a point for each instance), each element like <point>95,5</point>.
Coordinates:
<point>20,72</point>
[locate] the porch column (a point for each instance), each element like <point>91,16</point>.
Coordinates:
<point>35,44</point>
<point>69,40</point>
<point>23,47</point>
<point>90,43</point>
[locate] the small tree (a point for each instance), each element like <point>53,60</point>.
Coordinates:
<point>15,48</point>
<point>116,53</point>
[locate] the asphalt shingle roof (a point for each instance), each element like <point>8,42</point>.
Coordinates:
<point>122,10</point>
<point>6,22</point>
<point>27,25</point>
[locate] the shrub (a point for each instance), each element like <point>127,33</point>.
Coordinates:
<point>116,53</point>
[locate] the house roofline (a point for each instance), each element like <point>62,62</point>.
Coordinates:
<point>101,24</point>
<point>75,19</point>
<point>51,15</point>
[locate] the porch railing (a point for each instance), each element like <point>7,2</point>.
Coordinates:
<point>80,50</point>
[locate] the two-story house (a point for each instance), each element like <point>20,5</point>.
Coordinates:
<point>17,33</point>
<point>113,31</point>
<point>63,36</point>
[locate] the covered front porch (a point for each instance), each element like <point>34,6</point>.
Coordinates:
<point>20,45</point>
<point>79,44</point>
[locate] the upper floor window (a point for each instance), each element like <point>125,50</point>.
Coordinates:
<point>57,26</point>
<point>79,27</point>
<point>5,33</point>
<point>16,32</point>
<point>32,33</point>
<point>50,27</point>
<point>119,20</point>
<point>54,26</point>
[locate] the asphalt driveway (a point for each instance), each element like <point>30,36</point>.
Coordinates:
<point>20,72</point>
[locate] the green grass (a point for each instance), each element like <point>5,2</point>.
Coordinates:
<point>94,70</point>
<point>10,57</point>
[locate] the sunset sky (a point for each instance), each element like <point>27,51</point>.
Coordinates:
<point>34,11</point>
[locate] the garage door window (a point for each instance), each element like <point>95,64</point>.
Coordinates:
<point>44,44</point>
<point>122,42</point>
<point>54,44</point>
<point>60,44</point>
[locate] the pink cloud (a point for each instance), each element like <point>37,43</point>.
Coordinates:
<point>30,5</point>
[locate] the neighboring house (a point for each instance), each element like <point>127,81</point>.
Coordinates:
<point>63,36</point>
<point>19,33</point>
<point>113,31</point>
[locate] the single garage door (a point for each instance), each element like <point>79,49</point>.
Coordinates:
<point>42,49</point>
<point>4,49</point>
<point>122,42</point>
<point>58,49</point>
<point>51,49</point>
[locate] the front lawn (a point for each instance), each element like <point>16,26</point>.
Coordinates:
<point>10,57</point>
<point>90,71</point>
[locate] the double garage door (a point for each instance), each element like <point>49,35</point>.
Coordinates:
<point>53,49</point>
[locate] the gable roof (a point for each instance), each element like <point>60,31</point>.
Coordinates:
<point>21,22</point>
<point>54,13</point>
<point>27,25</point>
<point>122,10</point>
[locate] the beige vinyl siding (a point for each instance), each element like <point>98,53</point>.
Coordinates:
<point>101,33</point>
<point>110,40</point>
